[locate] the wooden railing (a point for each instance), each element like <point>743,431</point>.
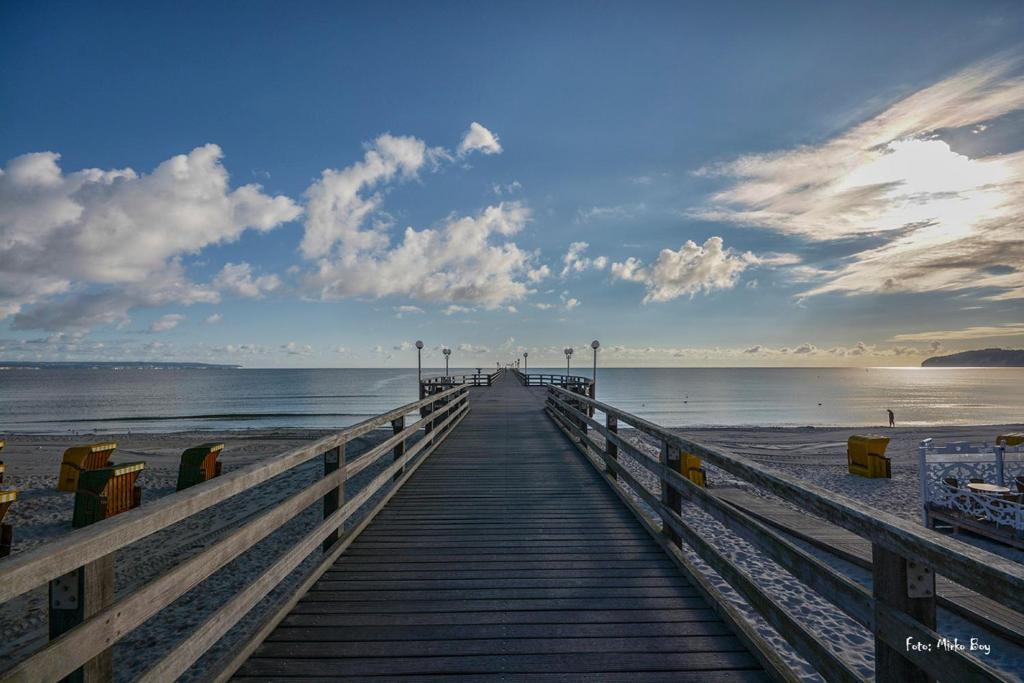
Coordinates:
<point>431,385</point>
<point>900,608</point>
<point>577,383</point>
<point>86,557</point>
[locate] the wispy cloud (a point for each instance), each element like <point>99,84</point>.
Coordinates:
<point>977,332</point>
<point>945,218</point>
<point>576,260</point>
<point>166,322</point>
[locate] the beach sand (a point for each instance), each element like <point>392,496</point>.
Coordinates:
<point>41,514</point>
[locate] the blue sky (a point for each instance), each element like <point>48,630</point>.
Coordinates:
<point>755,183</point>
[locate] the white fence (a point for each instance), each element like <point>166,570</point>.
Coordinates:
<point>963,463</point>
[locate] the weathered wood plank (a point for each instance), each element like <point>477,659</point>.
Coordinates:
<point>504,555</point>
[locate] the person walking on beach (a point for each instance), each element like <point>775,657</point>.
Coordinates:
<point>892,417</point>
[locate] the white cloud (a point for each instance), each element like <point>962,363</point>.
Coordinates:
<point>691,269</point>
<point>472,348</point>
<point>479,139</point>
<point>166,322</point>
<point>84,248</point>
<point>237,279</point>
<point>977,332</point>
<point>407,310</point>
<point>498,189</point>
<point>295,349</point>
<point>455,308</point>
<point>214,319</point>
<point>538,274</point>
<point>468,260</point>
<point>945,218</point>
<point>336,205</point>
<point>576,261</point>
<point>615,212</point>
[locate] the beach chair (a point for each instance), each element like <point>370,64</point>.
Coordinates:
<point>105,492</point>
<point>199,464</point>
<point>6,530</point>
<point>865,456</point>
<point>1010,439</point>
<point>78,459</point>
<point>693,470</point>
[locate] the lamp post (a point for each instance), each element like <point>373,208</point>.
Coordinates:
<point>447,352</point>
<point>419,361</point>
<point>595,345</point>
<point>568,355</point>
<point>526,364</point>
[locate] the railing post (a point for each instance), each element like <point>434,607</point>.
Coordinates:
<point>671,458</point>
<point>908,587</point>
<point>334,460</point>
<point>75,597</point>
<point>612,423</point>
<point>396,427</point>
<point>1000,465</point>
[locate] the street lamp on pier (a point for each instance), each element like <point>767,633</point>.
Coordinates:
<point>419,361</point>
<point>447,352</point>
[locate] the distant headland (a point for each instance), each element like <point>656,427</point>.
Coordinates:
<point>979,358</point>
<point>111,365</point>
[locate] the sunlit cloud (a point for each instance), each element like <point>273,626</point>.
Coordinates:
<point>948,221</point>
<point>976,332</point>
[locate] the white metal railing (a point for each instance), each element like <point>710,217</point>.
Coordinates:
<point>945,472</point>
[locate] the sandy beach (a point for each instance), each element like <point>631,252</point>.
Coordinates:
<point>41,514</point>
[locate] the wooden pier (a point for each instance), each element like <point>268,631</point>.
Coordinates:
<point>504,557</point>
<point>506,533</point>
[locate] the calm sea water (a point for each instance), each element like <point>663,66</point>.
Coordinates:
<point>57,400</point>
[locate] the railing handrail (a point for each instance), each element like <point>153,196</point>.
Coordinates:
<point>108,619</point>
<point>25,571</point>
<point>546,378</point>
<point>973,567</point>
<point>897,569</point>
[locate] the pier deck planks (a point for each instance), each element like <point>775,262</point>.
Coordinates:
<point>504,557</point>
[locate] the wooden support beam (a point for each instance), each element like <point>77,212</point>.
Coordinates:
<point>910,588</point>
<point>334,460</point>
<point>75,597</point>
<point>612,425</point>
<point>397,426</point>
<point>671,458</point>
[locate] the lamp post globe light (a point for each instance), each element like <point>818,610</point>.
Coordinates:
<point>447,352</point>
<point>568,355</point>
<point>419,360</point>
<point>595,345</point>
<point>526,365</point>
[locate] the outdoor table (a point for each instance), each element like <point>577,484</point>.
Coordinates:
<point>987,488</point>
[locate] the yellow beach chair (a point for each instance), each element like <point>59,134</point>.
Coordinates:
<point>865,456</point>
<point>6,530</point>
<point>78,459</point>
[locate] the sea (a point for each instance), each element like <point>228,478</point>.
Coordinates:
<point>57,400</point>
